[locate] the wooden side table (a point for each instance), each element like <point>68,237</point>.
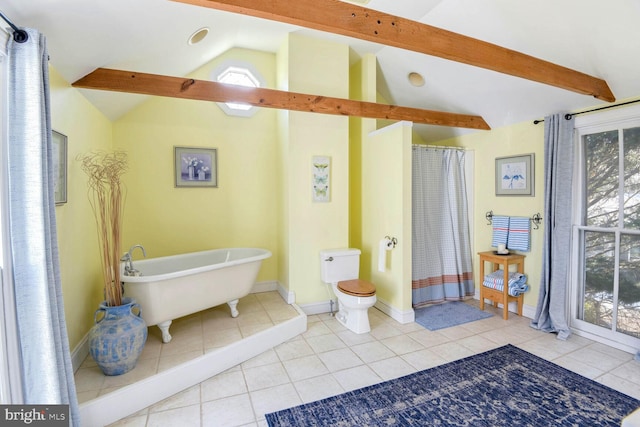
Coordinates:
<point>495,295</point>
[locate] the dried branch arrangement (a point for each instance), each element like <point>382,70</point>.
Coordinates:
<point>106,195</point>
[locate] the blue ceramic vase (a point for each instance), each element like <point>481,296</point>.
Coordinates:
<point>118,337</point>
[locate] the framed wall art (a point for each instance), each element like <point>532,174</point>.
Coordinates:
<point>320,179</point>
<point>59,167</point>
<point>196,167</point>
<point>515,175</point>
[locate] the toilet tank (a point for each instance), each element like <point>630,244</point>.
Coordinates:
<point>339,264</point>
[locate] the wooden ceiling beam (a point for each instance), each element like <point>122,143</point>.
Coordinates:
<point>180,87</point>
<point>351,20</point>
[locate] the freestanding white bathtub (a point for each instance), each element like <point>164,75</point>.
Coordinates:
<point>175,286</point>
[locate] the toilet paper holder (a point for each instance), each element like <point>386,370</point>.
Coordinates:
<point>392,241</point>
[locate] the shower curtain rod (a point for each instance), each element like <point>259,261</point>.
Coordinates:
<point>569,115</point>
<point>437,146</point>
<point>20,36</point>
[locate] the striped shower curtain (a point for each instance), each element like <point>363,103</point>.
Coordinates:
<point>442,268</point>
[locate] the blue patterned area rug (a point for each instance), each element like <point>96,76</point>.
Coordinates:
<point>502,387</point>
<point>445,315</point>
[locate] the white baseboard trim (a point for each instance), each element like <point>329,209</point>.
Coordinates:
<point>325,307</point>
<point>130,399</point>
<point>318,307</point>
<point>528,311</point>
<point>602,340</point>
<point>80,353</point>
<point>271,285</point>
<point>286,294</point>
<point>406,316</point>
<point>274,285</point>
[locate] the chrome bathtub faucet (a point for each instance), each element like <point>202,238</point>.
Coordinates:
<point>128,258</point>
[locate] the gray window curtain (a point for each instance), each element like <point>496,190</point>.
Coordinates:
<point>551,312</point>
<point>47,374</point>
<point>442,267</point>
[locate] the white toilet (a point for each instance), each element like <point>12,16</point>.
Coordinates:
<point>340,268</point>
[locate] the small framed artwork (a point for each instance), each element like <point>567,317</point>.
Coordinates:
<point>320,179</point>
<point>515,176</point>
<point>196,167</point>
<point>59,167</point>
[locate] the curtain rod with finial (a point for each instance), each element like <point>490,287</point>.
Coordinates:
<point>569,115</point>
<point>19,35</point>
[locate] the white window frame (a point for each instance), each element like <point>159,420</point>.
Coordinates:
<point>253,74</point>
<point>584,125</point>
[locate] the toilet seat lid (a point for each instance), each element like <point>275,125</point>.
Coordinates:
<point>357,287</point>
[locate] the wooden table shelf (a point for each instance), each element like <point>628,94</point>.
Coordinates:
<point>494,295</point>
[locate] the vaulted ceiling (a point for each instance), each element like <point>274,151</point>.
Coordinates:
<point>595,38</point>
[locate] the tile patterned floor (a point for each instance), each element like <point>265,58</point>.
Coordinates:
<point>193,336</point>
<point>329,359</point>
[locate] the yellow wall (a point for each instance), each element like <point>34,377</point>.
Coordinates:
<point>320,68</point>
<point>363,76</point>
<point>86,129</point>
<point>264,195</point>
<point>380,171</point>
<point>240,212</point>
<point>282,79</point>
<point>386,207</point>
<point>522,138</point>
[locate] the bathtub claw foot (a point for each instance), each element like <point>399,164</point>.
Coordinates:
<point>233,306</point>
<point>164,327</point>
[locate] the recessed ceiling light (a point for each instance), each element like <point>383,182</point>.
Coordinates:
<point>198,36</point>
<point>416,79</point>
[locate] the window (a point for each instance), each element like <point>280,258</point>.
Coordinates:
<point>607,232</point>
<point>241,74</point>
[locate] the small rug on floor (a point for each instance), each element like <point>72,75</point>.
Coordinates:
<point>502,387</point>
<point>445,315</point>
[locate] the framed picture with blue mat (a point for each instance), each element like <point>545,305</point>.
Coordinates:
<point>448,314</point>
